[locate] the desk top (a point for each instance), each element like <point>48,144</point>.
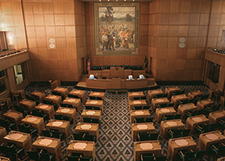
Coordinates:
<point>87,126</point>
<point>143,126</point>
<point>165,110</point>
<point>137,102</point>
<point>77,92</point>
<point>140,146</point>
<point>60,89</point>
<point>43,106</point>
<point>172,123</point>
<point>58,123</point>
<point>53,97</point>
<point>88,146</point>
<point>17,136</point>
<point>32,119</point>
<point>71,100</point>
<point>206,101</point>
<point>38,93</point>
<point>13,114</point>
<point>65,110</point>
<point>172,89</point>
<point>139,113</point>
<point>94,103</point>
<point>182,142</point>
<point>97,94</point>
<point>135,94</point>
<point>27,102</point>
<point>91,113</point>
<point>160,100</point>
<point>47,142</point>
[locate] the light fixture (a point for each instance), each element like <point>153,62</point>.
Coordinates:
<point>108,0</point>
<point>125,0</point>
<point>100,0</point>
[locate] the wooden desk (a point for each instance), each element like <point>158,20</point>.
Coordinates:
<point>133,103</point>
<point>143,147</point>
<point>118,83</point>
<point>21,92</point>
<point>182,109</point>
<point>141,127</point>
<point>131,95</point>
<point>98,94</point>
<point>74,102</point>
<point>169,125</point>
<point>70,112</point>
<point>52,145</point>
<point>175,99</point>
<point>4,158</point>
<point>61,125</point>
<point>194,94</point>
<point>88,151</point>
<point>214,117</point>
<point>3,133</point>
<point>79,93</point>
<point>204,103</point>
<point>62,91</point>
<point>22,140</point>
<point>152,93</point>
<point>96,103</point>
<point>14,116</point>
<point>91,128</point>
<point>170,90</point>
<point>138,114</point>
<point>193,121</point>
<point>160,112</point>
<point>55,99</point>
<point>35,122</point>
<point>37,94</point>
<point>55,83</point>
<point>176,145</point>
<point>156,101</point>
<point>30,105</point>
<point>221,159</point>
<point>47,109</point>
<point>206,139</point>
<point>95,114</point>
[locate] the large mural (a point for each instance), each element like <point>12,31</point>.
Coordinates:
<point>116,28</point>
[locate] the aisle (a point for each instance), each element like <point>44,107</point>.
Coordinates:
<point>115,142</point>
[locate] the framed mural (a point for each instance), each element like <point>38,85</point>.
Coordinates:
<point>116,28</point>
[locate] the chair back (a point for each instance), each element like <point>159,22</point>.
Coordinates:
<point>154,136</point>
<point>46,133</point>
<point>78,136</point>
<point>200,154</point>
<point>73,158</point>
<point>33,155</point>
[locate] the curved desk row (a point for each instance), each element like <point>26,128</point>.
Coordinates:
<point>118,83</point>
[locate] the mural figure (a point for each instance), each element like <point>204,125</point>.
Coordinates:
<point>116,28</point>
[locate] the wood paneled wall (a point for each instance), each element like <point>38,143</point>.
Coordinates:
<point>217,24</point>
<point>117,60</point>
<point>169,21</point>
<point>11,19</point>
<point>55,19</point>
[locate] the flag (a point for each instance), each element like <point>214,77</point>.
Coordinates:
<point>146,63</point>
<point>88,64</point>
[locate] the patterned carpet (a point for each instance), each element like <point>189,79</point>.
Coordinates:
<point>115,142</point>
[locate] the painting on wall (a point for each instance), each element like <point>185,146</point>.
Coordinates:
<point>116,28</point>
